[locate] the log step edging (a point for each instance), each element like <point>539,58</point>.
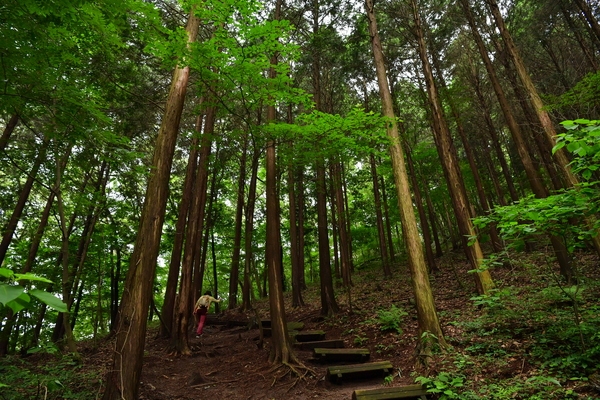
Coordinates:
<point>327,354</point>
<point>329,344</point>
<point>309,336</point>
<point>389,393</point>
<point>358,371</point>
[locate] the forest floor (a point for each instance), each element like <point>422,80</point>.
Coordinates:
<point>228,363</point>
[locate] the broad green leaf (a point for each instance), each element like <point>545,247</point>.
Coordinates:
<point>6,273</point>
<point>32,277</point>
<point>558,146</point>
<point>19,303</point>
<point>49,299</point>
<point>9,292</point>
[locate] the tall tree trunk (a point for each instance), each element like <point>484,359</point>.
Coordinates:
<point>449,159</point>
<point>115,277</point>
<point>301,266</point>
<point>11,226</point>
<point>388,224</point>
<point>422,216</point>
<point>329,305</point>
<point>347,211</point>
<point>281,349</point>
<point>495,141</point>
<point>342,225</point>
<point>433,222</point>
<point>281,346</point>
<point>379,216</point>
<point>237,239</point>
<point>483,201</point>
<point>495,181</point>
<point>213,252</point>
<point>520,143</point>
<point>533,176</point>
<point>182,219</point>
<point>8,130</point>
<point>589,54</point>
<point>544,149</point>
<point>123,378</point>
<point>248,230</point>
<point>295,255</point>
<point>535,98</point>
<point>589,17</point>
<point>187,295</point>
<point>210,224</point>
<point>66,277</point>
<point>337,271</point>
<point>295,250</point>
<point>199,256</point>
<point>426,312</point>
<point>548,127</point>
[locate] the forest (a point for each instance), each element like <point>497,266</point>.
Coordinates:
<point>427,167</point>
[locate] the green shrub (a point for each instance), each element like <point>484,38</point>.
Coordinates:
<point>389,320</point>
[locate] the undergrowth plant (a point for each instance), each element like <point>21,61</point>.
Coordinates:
<point>59,377</point>
<point>389,320</point>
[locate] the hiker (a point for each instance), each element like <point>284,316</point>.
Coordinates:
<point>201,308</point>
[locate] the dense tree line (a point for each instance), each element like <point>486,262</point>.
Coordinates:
<point>153,149</point>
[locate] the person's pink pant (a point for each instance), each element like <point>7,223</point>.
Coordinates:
<point>202,316</point>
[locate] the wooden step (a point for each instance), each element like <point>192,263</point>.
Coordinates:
<point>326,355</point>
<point>358,371</point>
<point>218,319</point>
<point>310,336</point>
<point>329,344</point>
<point>292,326</point>
<point>295,326</point>
<point>267,332</point>
<point>387,393</point>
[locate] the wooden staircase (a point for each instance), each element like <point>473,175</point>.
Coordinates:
<point>333,351</point>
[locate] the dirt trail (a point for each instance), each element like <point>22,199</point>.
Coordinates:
<point>226,362</point>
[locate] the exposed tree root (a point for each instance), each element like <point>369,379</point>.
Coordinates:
<point>297,369</point>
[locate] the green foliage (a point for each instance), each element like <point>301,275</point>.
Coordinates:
<point>444,384</point>
<point>360,341</point>
<point>539,387</point>
<point>558,294</point>
<point>585,93</point>
<point>492,300</point>
<point>56,378</point>
<point>582,139</point>
<point>389,320</point>
<point>17,296</point>
<point>358,133</point>
<point>554,215</point>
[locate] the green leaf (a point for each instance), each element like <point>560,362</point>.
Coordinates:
<point>31,277</point>
<point>19,303</point>
<point>558,146</point>
<point>9,292</point>
<point>49,299</point>
<point>582,121</point>
<point>6,273</point>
